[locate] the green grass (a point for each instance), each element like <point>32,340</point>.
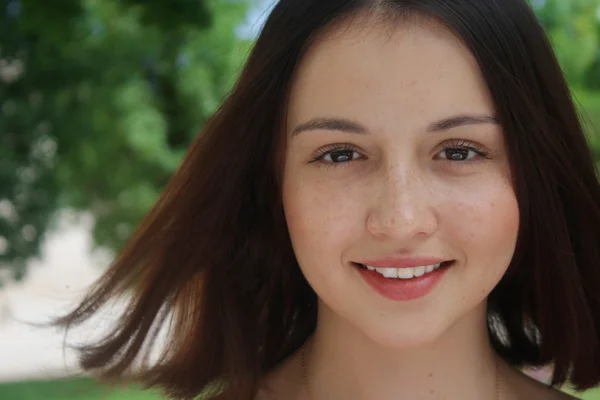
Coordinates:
<point>87,389</point>
<point>71,389</point>
<point>589,395</point>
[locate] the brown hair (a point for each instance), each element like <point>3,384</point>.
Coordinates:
<point>214,256</point>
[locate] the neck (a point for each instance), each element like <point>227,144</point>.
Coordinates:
<point>342,362</point>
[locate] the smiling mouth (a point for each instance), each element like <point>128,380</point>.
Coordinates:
<point>406,273</point>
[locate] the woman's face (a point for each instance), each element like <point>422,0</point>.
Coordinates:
<point>394,160</point>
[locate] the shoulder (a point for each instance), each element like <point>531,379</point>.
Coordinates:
<point>534,390</point>
<point>539,391</point>
<point>565,396</point>
<point>264,394</point>
<point>519,385</point>
<point>542,392</point>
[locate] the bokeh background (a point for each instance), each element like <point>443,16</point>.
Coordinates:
<point>99,100</point>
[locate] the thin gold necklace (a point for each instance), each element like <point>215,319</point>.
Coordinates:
<point>310,397</point>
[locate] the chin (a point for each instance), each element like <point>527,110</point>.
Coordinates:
<point>403,337</point>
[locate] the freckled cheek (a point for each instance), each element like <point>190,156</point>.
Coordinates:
<point>486,221</point>
<point>321,213</point>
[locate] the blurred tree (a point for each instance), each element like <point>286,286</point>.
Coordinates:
<point>574,29</point>
<point>99,100</point>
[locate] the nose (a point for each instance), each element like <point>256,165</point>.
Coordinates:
<point>403,207</point>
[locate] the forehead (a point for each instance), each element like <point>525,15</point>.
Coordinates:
<point>409,75</point>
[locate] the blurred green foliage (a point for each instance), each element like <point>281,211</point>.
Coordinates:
<point>99,100</point>
<point>574,29</point>
<point>71,389</point>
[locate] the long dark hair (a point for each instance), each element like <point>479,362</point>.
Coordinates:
<point>213,257</point>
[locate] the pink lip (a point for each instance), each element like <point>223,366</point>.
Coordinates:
<point>405,262</point>
<point>404,289</point>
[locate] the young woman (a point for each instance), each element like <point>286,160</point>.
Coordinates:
<point>395,202</point>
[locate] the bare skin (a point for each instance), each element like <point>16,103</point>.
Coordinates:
<point>286,382</point>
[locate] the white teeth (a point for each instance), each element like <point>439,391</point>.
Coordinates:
<point>390,272</point>
<point>405,273</point>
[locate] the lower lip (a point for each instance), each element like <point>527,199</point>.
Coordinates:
<point>403,289</point>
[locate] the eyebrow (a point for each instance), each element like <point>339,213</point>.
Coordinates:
<point>349,126</point>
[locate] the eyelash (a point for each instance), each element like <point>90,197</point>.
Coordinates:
<point>327,150</point>
<point>460,144</point>
<point>454,144</point>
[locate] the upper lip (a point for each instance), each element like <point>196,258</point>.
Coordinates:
<point>403,262</point>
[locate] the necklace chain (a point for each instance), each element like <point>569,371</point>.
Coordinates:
<point>310,397</point>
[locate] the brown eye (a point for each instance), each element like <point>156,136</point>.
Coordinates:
<point>462,153</point>
<point>340,156</point>
<point>458,154</point>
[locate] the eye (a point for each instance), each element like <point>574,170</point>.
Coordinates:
<point>337,154</point>
<point>461,152</point>
<point>340,156</point>
<point>458,154</point>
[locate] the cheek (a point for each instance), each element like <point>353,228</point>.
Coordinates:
<point>320,217</point>
<point>485,225</point>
